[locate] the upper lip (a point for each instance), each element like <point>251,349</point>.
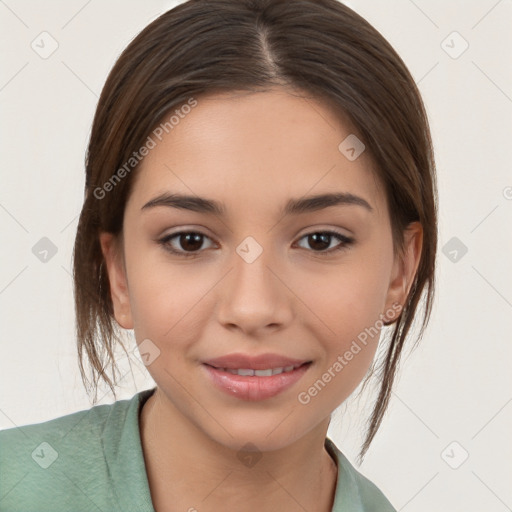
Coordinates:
<point>260,362</point>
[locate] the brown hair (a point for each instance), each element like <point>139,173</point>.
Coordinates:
<point>205,46</point>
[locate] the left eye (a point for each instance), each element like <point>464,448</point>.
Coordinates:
<point>321,239</point>
<point>191,241</point>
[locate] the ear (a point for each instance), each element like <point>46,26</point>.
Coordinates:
<point>404,271</point>
<point>112,253</point>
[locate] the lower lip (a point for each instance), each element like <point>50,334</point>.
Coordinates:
<point>255,388</point>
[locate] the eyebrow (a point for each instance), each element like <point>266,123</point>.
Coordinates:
<point>292,207</point>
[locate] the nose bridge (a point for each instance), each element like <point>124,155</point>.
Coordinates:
<point>253,296</point>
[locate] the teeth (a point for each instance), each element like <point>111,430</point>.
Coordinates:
<point>247,372</point>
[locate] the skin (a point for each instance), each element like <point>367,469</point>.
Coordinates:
<point>252,152</point>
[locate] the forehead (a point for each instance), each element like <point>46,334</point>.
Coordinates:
<point>249,150</point>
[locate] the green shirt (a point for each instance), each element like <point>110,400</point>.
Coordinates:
<point>92,460</point>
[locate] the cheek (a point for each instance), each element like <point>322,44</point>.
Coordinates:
<point>167,308</point>
<point>165,298</point>
<point>345,303</point>
<point>348,297</point>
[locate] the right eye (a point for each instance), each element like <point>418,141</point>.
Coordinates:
<point>187,244</point>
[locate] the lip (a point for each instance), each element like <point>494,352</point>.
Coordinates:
<point>254,388</point>
<point>260,362</point>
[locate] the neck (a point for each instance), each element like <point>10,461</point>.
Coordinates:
<point>188,470</point>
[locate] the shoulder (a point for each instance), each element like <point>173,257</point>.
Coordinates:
<point>52,463</point>
<point>355,492</point>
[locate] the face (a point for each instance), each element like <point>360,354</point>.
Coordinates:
<point>256,277</point>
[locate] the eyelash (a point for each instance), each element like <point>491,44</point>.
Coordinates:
<point>346,242</point>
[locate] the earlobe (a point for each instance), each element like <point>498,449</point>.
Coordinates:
<point>117,278</point>
<point>404,271</point>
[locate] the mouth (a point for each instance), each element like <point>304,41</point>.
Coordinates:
<point>252,384</point>
<point>266,372</point>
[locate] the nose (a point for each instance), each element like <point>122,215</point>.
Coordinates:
<point>254,298</point>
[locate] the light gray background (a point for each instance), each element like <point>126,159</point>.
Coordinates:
<point>455,387</point>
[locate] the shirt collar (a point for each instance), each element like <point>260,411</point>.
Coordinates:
<point>125,461</point>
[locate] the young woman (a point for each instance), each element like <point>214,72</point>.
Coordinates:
<point>260,208</point>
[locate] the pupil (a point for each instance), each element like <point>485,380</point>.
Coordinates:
<point>324,240</point>
<point>194,238</point>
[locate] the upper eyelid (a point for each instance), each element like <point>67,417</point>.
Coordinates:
<point>199,231</point>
